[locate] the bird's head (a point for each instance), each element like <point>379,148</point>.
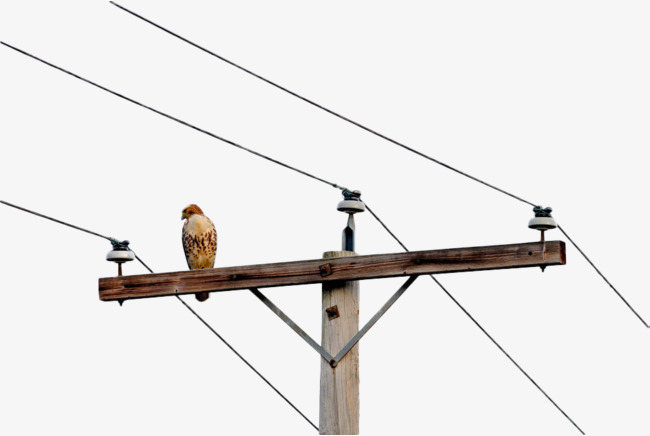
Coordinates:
<point>191,210</point>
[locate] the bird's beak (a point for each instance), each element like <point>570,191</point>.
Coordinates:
<point>185,215</point>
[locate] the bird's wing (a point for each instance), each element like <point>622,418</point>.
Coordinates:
<point>187,242</point>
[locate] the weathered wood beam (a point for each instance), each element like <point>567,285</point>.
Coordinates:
<point>344,268</point>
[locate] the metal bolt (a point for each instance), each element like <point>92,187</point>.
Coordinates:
<point>332,312</point>
<point>325,270</point>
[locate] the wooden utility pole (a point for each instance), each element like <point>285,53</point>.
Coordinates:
<point>339,273</point>
<point>339,384</point>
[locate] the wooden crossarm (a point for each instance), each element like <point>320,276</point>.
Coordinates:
<point>325,270</point>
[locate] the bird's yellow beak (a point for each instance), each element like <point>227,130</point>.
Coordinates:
<point>185,215</point>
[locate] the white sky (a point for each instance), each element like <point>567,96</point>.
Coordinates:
<point>548,100</point>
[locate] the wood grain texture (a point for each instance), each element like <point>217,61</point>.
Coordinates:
<point>334,269</point>
<point>339,387</point>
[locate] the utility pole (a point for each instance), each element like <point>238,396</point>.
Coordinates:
<point>339,381</point>
<point>339,273</point>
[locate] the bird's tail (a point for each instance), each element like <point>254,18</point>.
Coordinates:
<point>202,296</point>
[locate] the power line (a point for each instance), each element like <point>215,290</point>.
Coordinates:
<point>259,155</point>
<point>200,318</point>
<point>319,106</point>
<point>238,355</point>
<point>56,220</point>
<point>507,355</point>
<point>140,260</point>
<point>361,126</point>
<point>604,278</point>
<point>287,165</point>
<point>252,367</point>
<point>178,120</point>
<point>318,179</point>
<point>179,299</point>
<point>246,362</point>
<point>460,306</point>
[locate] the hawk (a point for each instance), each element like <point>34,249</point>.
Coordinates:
<point>199,241</point>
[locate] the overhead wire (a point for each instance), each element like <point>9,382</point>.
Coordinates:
<point>200,318</point>
<point>178,120</point>
<point>460,306</point>
<point>361,126</point>
<point>319,106</point>
<point>56,220</point>
<point>247,363</point>
<point>187,306</point>
<point>603,276</point>
<point>269,159</point>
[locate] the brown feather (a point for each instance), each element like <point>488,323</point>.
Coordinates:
<point>199,241</point>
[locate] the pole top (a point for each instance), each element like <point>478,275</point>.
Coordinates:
<point>351,202</point>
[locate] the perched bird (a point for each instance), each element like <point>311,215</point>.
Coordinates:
<point>199,241</point>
